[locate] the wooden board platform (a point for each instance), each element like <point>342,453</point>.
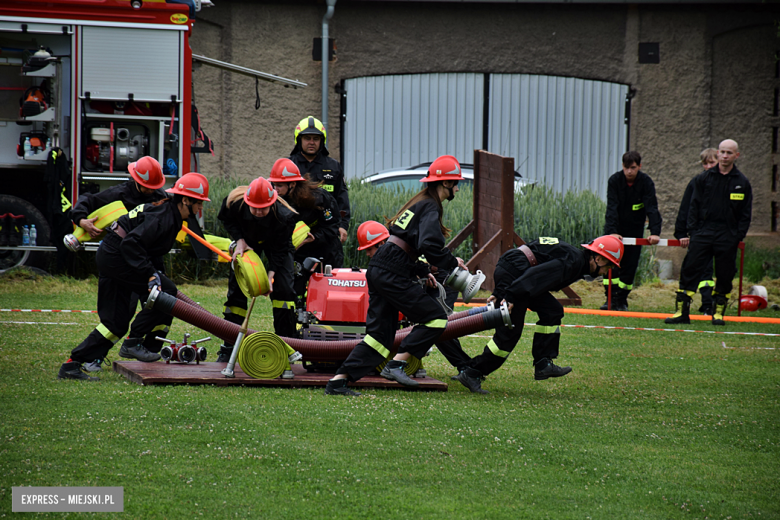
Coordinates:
<point>210,373</point>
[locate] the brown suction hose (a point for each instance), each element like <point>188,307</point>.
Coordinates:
<point>312,350</point>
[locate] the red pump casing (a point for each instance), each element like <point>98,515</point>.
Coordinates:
<point>341,297</point>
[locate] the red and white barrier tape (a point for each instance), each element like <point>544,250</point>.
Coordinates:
<point>733,333</point>
<point>628,241</point>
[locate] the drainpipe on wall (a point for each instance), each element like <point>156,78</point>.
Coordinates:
<point>325,56</point>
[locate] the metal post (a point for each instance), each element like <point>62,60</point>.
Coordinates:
<point>325,56</point>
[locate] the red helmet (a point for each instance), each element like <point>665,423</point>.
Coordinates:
<point>607,246</point>
<point>192,185</point>
<point>260,194</point>
<point>445,168</point>
<point>370,233</point>
<point>147,172</point>
<point>752,302</point>
<point>284,170</point>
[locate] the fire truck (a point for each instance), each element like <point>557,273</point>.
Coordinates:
<point>101,83</point>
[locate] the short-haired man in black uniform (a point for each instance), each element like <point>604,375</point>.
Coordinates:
<point>718,219</point>
<point>630,201</point>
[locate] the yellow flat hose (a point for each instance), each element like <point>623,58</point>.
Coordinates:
<point>263,355</point>
<point>413,364</point>
<point>300,232</point>
<point>251,275</point>
<point>106,215</point>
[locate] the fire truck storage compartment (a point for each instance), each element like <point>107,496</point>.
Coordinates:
<point>128,142</point>
<point>118,62</point>
<point>18,44</point>
<point>131,79</point>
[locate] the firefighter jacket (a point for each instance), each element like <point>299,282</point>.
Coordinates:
<point>681,224</point>
<point>328,171</point>
<point>721,202</point>
<point>419,227</point>
<point>127,192</point>
<point>629,206</point>
<point>274,230</point>
<point>559,265</point>
<point>324,224</point>
<point>151,232</point>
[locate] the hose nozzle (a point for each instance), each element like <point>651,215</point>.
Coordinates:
<point>468,284</point>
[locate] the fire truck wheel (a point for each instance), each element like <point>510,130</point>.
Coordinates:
<point>10,258</point>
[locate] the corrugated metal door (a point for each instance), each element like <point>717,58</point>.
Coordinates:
<point>120,61</point>
<point>566,132</point>
<point>404,120</point>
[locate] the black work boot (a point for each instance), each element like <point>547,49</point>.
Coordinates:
<point>133,348</point>
<point>683,309</point>
<point>339,387</point>
<point>471,379</point>
<point>707,305</point>
<point>151,343</point>
<point>620,300</point>
<point>394,371</point>
<point>545,369</point>
<point>224,353</point>
<point>72,370</point>
<point>720,309</point>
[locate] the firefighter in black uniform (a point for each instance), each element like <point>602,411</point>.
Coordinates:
<point>257,219</point>
<point>718,220</point>
<point>709,159</point>
<point>630,201</point>
<point>126,263</point>
<point>393,278</point>
<point>145,186</point>
<point>524,278</point>
<point>371,235</point>
<point>316,209</point>
<point>311,156</point>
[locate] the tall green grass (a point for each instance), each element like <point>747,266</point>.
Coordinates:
<point>572,217</point>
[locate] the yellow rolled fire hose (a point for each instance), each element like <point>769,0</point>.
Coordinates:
<point>250,271</point>
<point>300,232</point>
<point>106,216</point>
<point>264,355</point>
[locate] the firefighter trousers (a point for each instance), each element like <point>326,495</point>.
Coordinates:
<point>450,349</point>
<point>547,333</point>
<point>701,250</point>
<point>388,294</point>
<point>115,290</point>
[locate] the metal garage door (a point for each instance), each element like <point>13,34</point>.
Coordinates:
<point>403,120</point>
<point>568,133</point>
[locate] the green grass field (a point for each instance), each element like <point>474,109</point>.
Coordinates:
<point>649,424</point>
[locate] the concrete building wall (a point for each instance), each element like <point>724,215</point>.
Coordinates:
<point>715,80</point>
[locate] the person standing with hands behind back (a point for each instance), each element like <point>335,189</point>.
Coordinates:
<point>709,159</point>
<point>630,201</point>
<point>718,219</point>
